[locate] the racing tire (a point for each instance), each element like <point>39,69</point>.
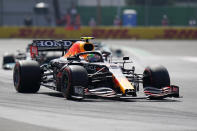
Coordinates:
<point>27,76</point>
<point>74,76</point>
<point>156,76</point>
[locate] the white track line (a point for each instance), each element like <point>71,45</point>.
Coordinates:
<point>190,58</point>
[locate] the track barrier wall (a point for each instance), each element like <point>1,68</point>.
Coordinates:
<point>100,32</point>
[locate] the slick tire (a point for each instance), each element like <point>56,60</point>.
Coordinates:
<point>73,75</point>
<point>27,76</point>
<point>156,76</point>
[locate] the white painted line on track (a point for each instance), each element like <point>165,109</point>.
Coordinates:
<point>190,59</point>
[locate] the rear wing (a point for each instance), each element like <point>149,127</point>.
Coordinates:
<point>50,45</point>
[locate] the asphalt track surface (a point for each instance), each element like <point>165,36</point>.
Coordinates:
<point>49,111</point>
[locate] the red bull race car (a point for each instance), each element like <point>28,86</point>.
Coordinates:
<point>83,72</point>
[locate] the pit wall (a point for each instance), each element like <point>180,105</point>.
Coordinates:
<point>100,32</point>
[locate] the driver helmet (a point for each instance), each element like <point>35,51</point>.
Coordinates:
<point>93,58</point>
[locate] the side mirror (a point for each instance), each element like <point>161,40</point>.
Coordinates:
<point>125,58</point>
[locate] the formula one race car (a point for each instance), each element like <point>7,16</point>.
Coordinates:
<point>9,59</point>
<point>82,72</point>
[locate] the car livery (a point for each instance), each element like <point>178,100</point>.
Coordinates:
<point>77,75</point>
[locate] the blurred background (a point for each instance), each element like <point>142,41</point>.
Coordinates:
<point>132,18</point>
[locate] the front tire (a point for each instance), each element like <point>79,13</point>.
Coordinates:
<point>156,76</point>
<point>74,76</point>
<point>27,76</point>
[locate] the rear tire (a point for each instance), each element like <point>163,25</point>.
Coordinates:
<point>73,75</point>
<point>27,76</point>
<point>156,76</point>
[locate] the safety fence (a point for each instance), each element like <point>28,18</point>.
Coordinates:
<point>100,32</point>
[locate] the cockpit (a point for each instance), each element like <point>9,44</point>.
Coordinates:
<point>89,56</point>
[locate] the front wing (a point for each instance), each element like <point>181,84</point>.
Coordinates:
<point>108,93</point>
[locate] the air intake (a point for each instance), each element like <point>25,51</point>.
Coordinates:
<point>88,47</point>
